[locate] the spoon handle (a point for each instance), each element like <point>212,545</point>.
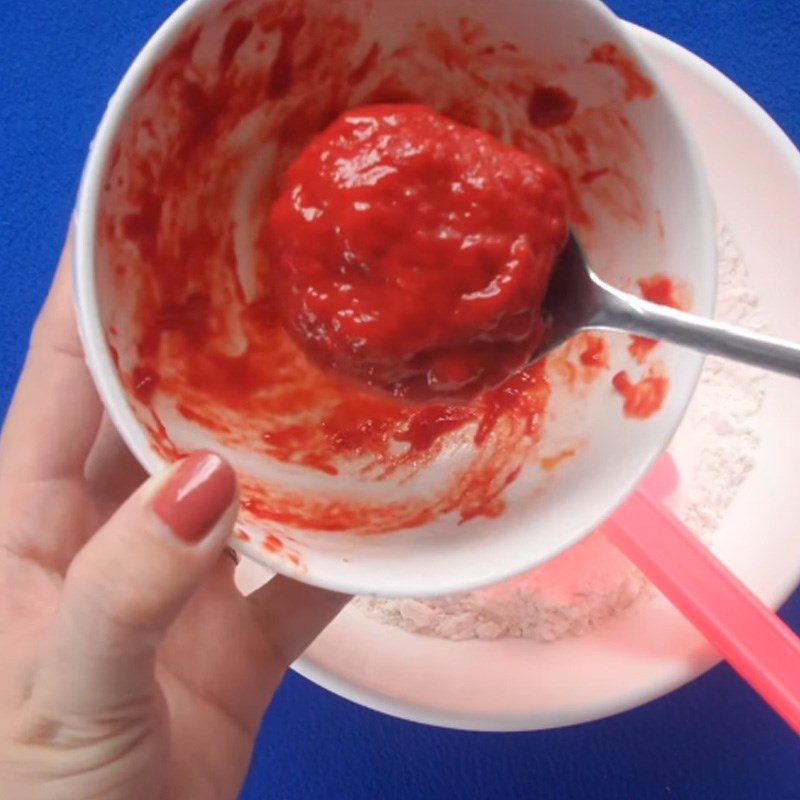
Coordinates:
<point>622,311</point>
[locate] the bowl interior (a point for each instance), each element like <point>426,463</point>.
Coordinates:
<point>172,208</point>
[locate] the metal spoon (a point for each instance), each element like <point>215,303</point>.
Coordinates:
<point>578,300</point>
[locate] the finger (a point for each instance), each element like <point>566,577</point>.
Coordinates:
<point>271,628</point>
<point>111,470</point>
<point>56,412</point>
<point>291,615</point>
<point>129,582</point>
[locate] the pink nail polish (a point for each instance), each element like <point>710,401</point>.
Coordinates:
<point>195,496</point>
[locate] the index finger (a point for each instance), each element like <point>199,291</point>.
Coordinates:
<point>55,413</point>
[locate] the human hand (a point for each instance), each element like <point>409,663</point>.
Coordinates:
<point>131,666</point>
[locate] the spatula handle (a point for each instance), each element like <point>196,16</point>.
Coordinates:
<point>750,636</point>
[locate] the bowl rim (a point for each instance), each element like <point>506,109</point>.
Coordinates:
<point>100,362</point>
<point>97,354</point>
<point>681,673</point>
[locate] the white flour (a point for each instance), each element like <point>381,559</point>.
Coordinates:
<point>717,441</point>
<point>592,582</point>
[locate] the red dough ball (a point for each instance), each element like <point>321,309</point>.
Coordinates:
<point>412,253</point>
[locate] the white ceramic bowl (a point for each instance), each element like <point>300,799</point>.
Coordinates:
<point>649,650</point>
<point>652,214</point>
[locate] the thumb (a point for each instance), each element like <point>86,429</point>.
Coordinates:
<point>128,583</point>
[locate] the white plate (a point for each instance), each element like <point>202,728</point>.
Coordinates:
<point>521,685</point>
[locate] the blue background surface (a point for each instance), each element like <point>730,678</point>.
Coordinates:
<point>59,62</point>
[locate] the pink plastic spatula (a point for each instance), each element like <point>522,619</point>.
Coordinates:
<point>751,637</point>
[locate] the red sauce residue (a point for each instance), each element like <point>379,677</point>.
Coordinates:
<point>644,398</point>
<point>591,175</point>
<point>549,463</point>
<point>275,545</point>
<point>144,382</point>
<point>641,347</point>
<point>502,424</point>
<point>281,73</point>
<point>594,353</point>
<point>580,147</point>
<point>443,309</point>
<point>366,66</point>
<point>470,30</point>
<point>491,509</point>
<point>206,343</point>
<point>235,38</point>
<point>549,106</point>
<point>114,355</point>
<point>207,421</point>
<point>523,396</point>
<point>637,85</point>
<point>659,289</point>
<point>431,423</point>
<point>176,59</point>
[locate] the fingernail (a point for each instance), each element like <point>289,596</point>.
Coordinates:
<point>195,496</point>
